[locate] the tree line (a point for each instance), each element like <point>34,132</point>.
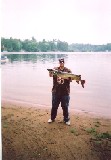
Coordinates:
<point>17,45</point>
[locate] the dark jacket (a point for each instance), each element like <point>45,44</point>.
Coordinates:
<point>61,86</point>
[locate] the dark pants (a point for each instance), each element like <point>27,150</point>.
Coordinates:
<point>56,99</point>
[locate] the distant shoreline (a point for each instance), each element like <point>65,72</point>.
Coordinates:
<point>32,45</point>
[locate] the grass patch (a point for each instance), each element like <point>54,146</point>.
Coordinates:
<point>99,136</point>
<point>104,135</point>
<point>91,130</point>
<point>74,131</point>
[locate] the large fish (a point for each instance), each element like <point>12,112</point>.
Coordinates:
<point>67,75</point>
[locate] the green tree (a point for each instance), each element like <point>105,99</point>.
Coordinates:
<point>11,45</point>
<point>62,46</point>
<point>44,46</point>
<point>30,45</point>
<point>53,45</point>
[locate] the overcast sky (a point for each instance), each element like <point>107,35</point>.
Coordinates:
<point>73,21</point>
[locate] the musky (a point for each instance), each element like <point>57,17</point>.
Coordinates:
<point>73,21</point>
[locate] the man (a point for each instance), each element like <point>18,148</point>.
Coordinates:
<point>60,93</point>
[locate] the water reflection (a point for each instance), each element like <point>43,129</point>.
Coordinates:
<point>34,58</point>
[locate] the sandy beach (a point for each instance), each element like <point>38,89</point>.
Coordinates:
<point>27,135</point>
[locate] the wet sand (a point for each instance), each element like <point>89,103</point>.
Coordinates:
<point>27,135</point>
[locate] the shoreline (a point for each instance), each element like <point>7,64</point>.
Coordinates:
<point>43,106</point>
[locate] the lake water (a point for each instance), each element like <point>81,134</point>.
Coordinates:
<point>25,78</point>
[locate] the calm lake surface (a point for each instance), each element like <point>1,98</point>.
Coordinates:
<point>25,78</point>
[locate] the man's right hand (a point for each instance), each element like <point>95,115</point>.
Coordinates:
<point>50,74</point>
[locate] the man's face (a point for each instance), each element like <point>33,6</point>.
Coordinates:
<point>61,64</point>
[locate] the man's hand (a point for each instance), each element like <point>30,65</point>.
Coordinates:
<point>50,74</point>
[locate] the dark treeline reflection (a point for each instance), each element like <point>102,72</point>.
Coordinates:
<point>35,57</point>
